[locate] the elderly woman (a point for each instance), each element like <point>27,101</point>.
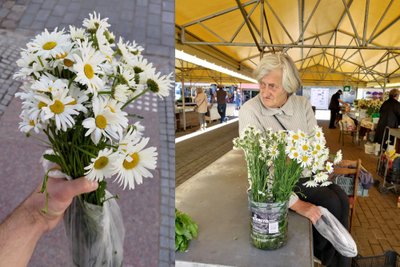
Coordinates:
<point>277,107</point>
<point>201,103</point>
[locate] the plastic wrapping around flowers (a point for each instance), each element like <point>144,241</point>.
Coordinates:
<point>76,87</point>
<point>330,228</point>
<point>96,234</point>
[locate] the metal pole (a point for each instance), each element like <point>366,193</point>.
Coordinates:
<point>183,101</point>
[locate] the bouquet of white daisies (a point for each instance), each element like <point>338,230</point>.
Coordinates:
<point>276,161</point>
<point>76,86</point>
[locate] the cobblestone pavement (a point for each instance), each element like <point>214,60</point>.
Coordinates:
<point>148,210</point>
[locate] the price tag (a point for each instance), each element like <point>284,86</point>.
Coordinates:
<point>273,227</point>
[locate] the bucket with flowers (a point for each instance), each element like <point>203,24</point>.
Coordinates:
<point>275,162</point>
<point>77,86</point>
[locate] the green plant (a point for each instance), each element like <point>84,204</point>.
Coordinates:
<point>185,230</point>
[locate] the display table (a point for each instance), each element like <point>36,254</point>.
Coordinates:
<point>216,199</point>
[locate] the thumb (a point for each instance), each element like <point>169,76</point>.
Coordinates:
<point>79,186</point>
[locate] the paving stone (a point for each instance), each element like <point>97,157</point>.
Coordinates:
<point>34,7</point>
<point>42,15</point>
<point>9,24</point>
<point>8,4</point>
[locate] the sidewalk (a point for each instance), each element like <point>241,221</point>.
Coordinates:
<point>149,209</point>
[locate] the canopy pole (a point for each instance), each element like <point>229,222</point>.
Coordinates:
<point>183,100</point>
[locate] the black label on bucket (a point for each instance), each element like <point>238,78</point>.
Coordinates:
<point>263,225</point>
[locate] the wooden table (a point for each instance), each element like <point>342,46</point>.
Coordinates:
<point>216,199</point>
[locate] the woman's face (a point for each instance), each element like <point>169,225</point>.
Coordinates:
<point>272,93</point>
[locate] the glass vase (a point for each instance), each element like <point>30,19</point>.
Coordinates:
<point>268,224</point>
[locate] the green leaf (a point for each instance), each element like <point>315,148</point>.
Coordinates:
<point>53,158</point>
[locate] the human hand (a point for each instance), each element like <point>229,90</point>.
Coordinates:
<point>307,210</point>
<point>60,194</point>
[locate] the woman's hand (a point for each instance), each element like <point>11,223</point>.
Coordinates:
<point>307,210</point>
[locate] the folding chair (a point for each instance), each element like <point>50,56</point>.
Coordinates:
<point>344,131</point>
<point>351,169</point>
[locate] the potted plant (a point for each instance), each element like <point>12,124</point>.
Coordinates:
<point>275,162</point>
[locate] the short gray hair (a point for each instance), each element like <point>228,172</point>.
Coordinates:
<point>290,75</point>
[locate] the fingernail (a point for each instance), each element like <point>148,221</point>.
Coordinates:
<point>94,184</point>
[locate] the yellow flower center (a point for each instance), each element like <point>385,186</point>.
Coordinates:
<point>295,154</point>
<point>131,164</point>
<point>68,63</point>
<point>101,121</point>
<point>295,137</point>
<point>111,109</point>
<point>88,69</point>
<point>49,45</point>
<point>73,102</point>
<point>32,123</point>
<point>304,158</point>
<point>57,107</point>
<point>61,55</point>
<point>42,105</point>
<point>100,163</point>
<point>305,147</point>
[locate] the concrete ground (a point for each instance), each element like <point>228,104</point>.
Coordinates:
<point>148,210</point>
<point>377,224</point>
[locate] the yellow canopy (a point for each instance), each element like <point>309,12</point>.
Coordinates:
<point>333,42</point>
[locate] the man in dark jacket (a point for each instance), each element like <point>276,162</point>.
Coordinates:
<point>335,107</point>
<point>389,115</point>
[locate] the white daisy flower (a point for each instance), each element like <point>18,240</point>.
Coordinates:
<point>29,65</point>
<point>88,67</point>
<point>310,183</point>
<point>103,122</point>
<point>121,93</point>
<point>294,154</point>
<point>130,138</point>
<point>65,59</point>
<point>305,160</point>
<point>329,167</point>
<point>326,183</point>
<point>338,157</point>
<point>46,84</point>
<point>319,134</point>
<point>134,165</point>
<point>94,22</point>
<point>27,124</point>
<point>102,166</point>
<point>159,84</point>
<point>128,52</point>
<point>128,75</point>
<point>104,46</point>
<point>321,177</point>
<point>80,97</point>
<point>48,45</point>
<point>58,107</point>
<point>77,33</point>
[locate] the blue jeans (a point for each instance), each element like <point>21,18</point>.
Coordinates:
<point>221,111</point>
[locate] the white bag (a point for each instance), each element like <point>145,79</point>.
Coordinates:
<point>330,228</point>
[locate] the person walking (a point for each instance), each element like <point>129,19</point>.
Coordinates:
<point>389,116</point>
<point>334,106</point>
<point>221,103</point>
<point>201,105</point>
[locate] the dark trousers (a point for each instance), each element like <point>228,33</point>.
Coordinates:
<point>336,201</point>
<point>334,113</point>
<point>221,111</point>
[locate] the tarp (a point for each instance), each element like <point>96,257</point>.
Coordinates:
<point>333,42</point>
